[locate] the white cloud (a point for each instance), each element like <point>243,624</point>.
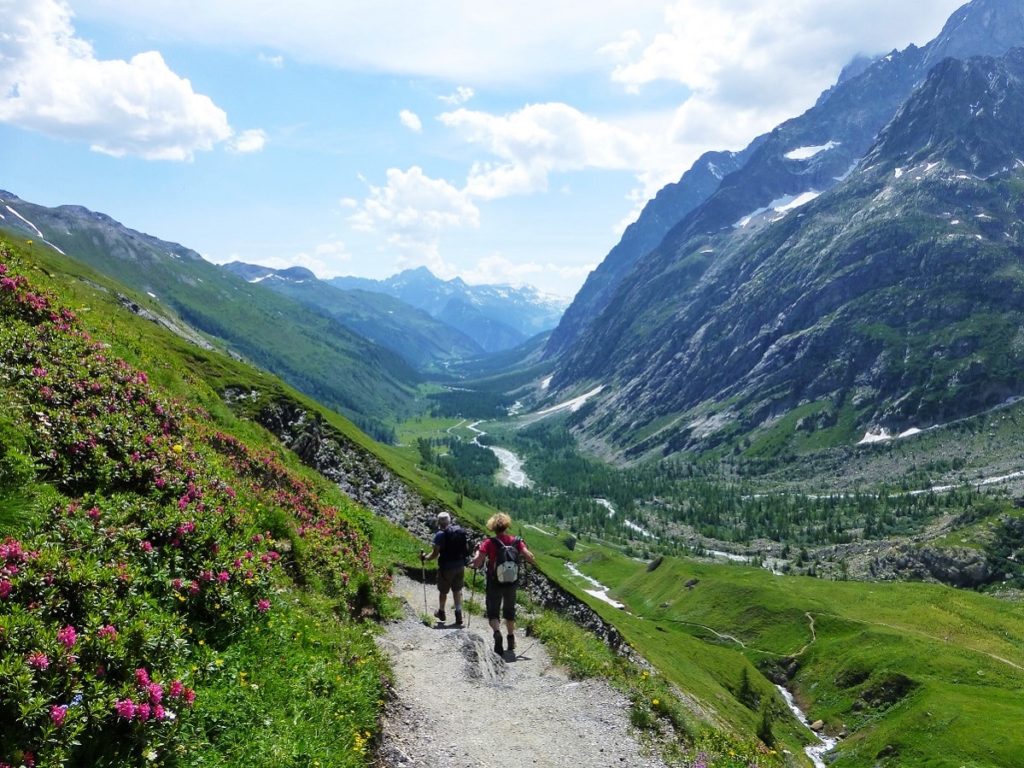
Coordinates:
<point>411,121</point>
<point>461,95</point>
<point>538,140</point>
<point>253,140</point>
<point>490,42</point>
<point>413,210</point>
<point>328,259</point>
<point>747,52</point>
<point>52,82</point>
<point>498,270</point>
<point>277,62</point>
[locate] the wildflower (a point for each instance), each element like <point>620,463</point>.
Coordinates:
<point>142,711</point>
<point>57,714</point>
<point>263,605</point>
<point>94,513</point>
<point>142,677</point>
<point>38,660</point>
<point>655,703</point>
<point>107,630</point>
<point>5,589</point>
<point>175,689</point>
<point>178,448</point>
<point>125,708</point>
<point>223,577</point>
<point>159,713</point>
<point>189,696</point>
<point>67,637</point>
<point>156,692</point>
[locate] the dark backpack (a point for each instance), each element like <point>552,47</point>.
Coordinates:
<point>454,545</point>
<point>506,561</point>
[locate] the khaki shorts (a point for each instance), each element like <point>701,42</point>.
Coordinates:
<point>453,580</point>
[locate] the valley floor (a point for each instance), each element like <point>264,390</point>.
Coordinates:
<point>458,705</point>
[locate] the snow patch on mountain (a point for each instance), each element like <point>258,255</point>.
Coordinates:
<point>806,153</point>
<point>781,205</point>
<point>33,226</point>
<point>572,405</point>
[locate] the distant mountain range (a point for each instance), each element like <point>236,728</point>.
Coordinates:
<point>497,317</point>
<point>305,346</point>
<point>858,271</point>
<point>421,340</point>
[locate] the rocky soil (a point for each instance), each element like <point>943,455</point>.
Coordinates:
<point>459,705</point>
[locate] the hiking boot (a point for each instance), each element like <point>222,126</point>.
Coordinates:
<point>439,614</point>
<point>458,618</point>
<point>511,643</point>
<point>498,647</point>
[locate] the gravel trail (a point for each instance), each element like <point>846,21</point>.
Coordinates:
<point>459,705</point>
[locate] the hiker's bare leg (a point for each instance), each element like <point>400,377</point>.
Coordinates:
<point>495,624</point>
<point>457,599</point>
<point>442,598</point>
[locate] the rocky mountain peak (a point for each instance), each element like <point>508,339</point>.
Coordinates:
<point>967,113</point>
<point>982,27</point>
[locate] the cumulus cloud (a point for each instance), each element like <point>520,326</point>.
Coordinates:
<point>461,95</point>
<point>744,52</point>
<point>537,140</point>
<point>52,82</point>
<point>253,140</point>
<point>411,120</point>
<point>413,210</point>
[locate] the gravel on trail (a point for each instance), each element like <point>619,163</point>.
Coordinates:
<point>460,705</point>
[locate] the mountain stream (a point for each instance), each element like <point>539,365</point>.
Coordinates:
<point>825,744</point>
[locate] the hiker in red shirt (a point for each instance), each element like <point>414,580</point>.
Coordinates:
<point>503,554</point>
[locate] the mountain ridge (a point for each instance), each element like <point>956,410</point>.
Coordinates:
<point>812,306</point>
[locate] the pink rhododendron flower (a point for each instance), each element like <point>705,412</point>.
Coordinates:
<point>142,711</point>
<point>142,677</point>
<point>223,577</point>
<point>125,708</point>
<point>175,689</point>
<point>108,630</point>
<point>263,605</point>
<point>57,714</point>
<point>39,660</point>
<point>5,589</point>
<point>146,546</point>
<point>67,637</point>
<point>156,692</point>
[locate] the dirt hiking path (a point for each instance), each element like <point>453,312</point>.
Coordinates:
<point>461,706</point>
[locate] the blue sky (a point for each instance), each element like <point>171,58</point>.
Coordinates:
<point>501,142</point>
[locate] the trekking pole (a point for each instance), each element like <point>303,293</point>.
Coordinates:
<point>472,591</point>
<point>423,575</point>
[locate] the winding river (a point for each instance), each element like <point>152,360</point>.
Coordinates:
<point>511,472</point>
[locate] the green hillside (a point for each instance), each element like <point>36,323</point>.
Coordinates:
<point>910,674</point>
<point>174,588</point>
<point>305,346</point>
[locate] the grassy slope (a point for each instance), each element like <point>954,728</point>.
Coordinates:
<point>304,685</point>
<point>963,652</point>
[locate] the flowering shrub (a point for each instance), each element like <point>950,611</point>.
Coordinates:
<point>157,547</point>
